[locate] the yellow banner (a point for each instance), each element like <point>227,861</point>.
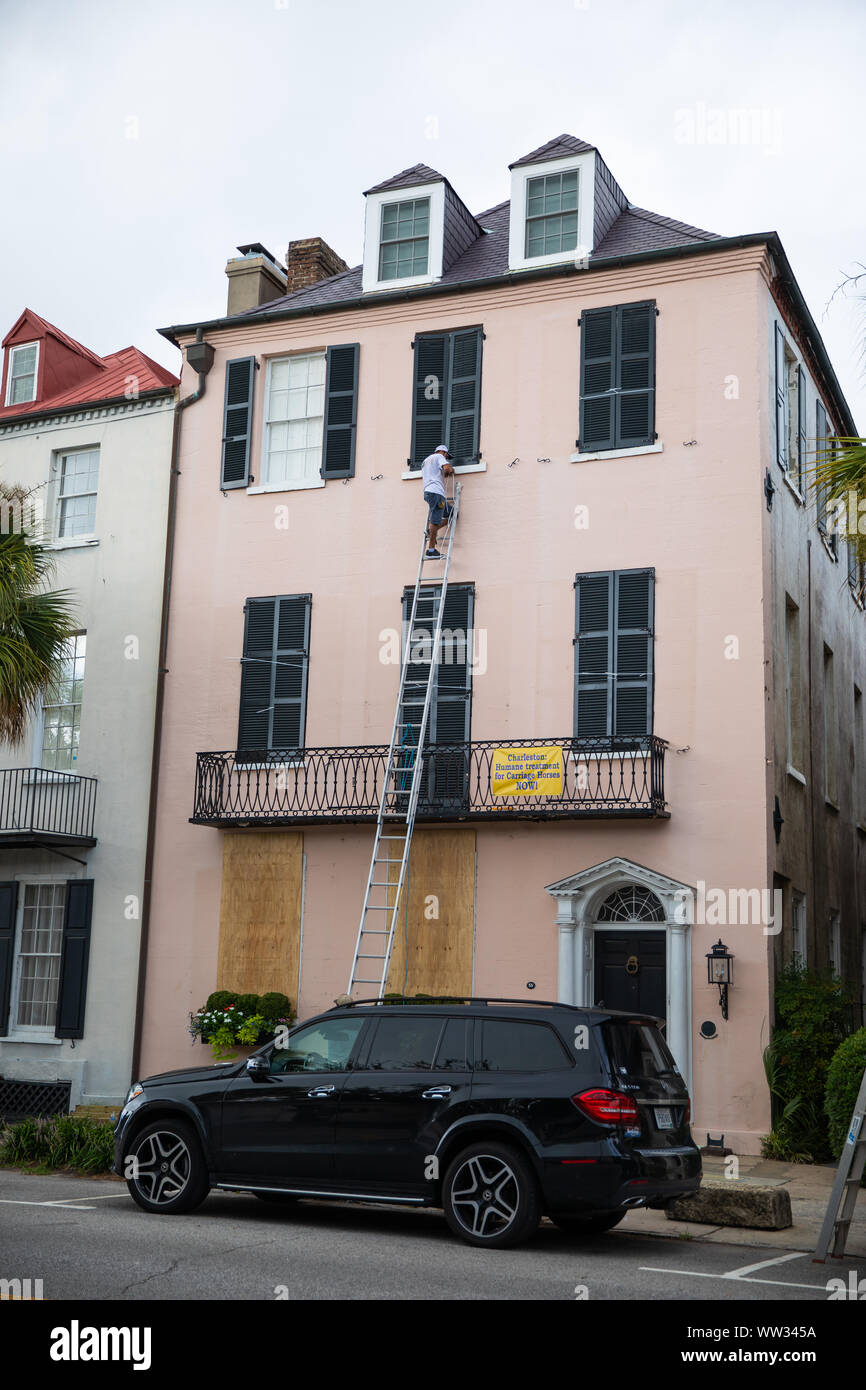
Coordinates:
<point>527,771</point>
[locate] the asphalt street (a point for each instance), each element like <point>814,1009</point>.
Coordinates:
<point>86,1239</point>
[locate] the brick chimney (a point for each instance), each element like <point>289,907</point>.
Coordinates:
<point>309,261</point>
<point>255,277</point>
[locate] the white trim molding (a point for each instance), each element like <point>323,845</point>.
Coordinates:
<point>12,349</point>
<point>436,235</point>
<point>617,453</point>
<point>585,166</point>
<point>578,899</point>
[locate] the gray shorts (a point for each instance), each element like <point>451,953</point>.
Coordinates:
<point>439,510</point>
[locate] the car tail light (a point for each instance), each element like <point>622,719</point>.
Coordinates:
<point>607,1107</point>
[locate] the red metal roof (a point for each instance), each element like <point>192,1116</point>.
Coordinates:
<point>122,375</point>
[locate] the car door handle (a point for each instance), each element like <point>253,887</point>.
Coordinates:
<point>436,1093</point>
<point>321,1092</point>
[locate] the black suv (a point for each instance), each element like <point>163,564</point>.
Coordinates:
<point>498,1111</point>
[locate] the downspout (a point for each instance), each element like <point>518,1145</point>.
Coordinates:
<point>200,356</point>
<point>812,798</point>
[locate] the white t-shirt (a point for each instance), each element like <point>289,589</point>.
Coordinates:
<point>431,472</point>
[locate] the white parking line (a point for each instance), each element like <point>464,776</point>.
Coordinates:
<point>67,1202</point>
<point>700,1274</point>
<point>764,1264</point>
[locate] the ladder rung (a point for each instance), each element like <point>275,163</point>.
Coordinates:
<point>367,955</point>
<point>373,931</point>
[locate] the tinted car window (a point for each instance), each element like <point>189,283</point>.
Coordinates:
<point>520,1047</point>
<point>323,1046</point>
<point>404,1044</point>
<point>638,1049</point>
<point>452,1047</point>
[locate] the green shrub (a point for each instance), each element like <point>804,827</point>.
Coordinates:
<point>844,1076</point>
<point>248,1004</point>
<point>275,1007</point>
<point>220,998</point>
<point>60,1141</point>
<point>810,1024</point>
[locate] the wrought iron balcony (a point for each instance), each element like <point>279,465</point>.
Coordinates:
<point>599,777</point>
<point>39,807</point>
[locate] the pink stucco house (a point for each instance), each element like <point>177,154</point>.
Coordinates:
<point>639,578</point>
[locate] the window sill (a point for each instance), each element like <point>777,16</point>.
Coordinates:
<point>793,488</point>
<point>43,1039</point>
<point>797,776</point>
<point>285,487</point>
<point>617,453</point>
<point>71,542</point>
<point>831,805</point>
<point>461,468</point>
<point>861,827</point>
<point>829,549</point>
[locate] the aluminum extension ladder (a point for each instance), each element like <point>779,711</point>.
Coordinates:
<point>401,786</point>
<point>843,1198</point>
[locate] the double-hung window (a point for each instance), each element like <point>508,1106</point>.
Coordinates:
<point>23,363</point>
<point>790,398</point>
<point>43,907</point>
<point>294,420</point>
<point>551,214</point>
<point>44,956</point>
<point>617,377</point>
<point>61,711</point>
<point>613,654</point>
<point>76,493</point>
<point>404,240</point>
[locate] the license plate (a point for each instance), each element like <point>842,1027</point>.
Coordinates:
<point>664,1119</point>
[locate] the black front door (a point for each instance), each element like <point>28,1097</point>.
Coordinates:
<point>630,971</point>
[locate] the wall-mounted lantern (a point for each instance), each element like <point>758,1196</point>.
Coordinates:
<point>720,971</point>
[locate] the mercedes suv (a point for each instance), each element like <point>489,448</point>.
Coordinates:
<point>496,1111</point>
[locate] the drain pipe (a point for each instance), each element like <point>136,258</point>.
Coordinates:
<point>199,356</point>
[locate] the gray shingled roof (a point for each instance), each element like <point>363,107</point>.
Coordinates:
<point>557,148</point>
<point>635,230</point>
<point>419,173</point>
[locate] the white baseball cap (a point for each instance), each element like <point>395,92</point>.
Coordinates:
<point>442,449</point>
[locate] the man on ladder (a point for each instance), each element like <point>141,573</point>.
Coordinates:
<point>433,468</point>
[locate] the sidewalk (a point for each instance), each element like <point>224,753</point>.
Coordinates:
<point>809,1187</point>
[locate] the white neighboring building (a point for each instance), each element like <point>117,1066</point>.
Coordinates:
<point>93,436</point>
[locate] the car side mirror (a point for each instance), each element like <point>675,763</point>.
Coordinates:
<point>258,1067</point>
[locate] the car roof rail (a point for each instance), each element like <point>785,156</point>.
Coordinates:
<point>459,1001</point>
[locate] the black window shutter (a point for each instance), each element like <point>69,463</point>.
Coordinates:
<point>429,396</point>
<point>597,379</point>
<point>781,394</point>
<point>237,422</point>
<point>8,901</point>
<point>635,375</point>
<point>633,657</point>
<point>74,959</point>
<point>593,655</point>
<point>274,675</point>
<point>801,427</point>
<point>464,396</point>
<point>341,412</point>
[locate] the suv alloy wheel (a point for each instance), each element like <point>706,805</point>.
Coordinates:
<point>167,1172</point>
<point>490,1196</point>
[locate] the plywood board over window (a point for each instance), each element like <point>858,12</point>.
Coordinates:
<point>260,913</point>
<point>433,943</point>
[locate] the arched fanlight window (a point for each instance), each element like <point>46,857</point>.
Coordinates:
<point>632,904</point>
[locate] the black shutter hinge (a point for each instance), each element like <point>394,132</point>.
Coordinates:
<point>658,311</point>
<point>769,489</point>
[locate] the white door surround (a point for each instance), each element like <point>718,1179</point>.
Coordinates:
<point>578,900</point>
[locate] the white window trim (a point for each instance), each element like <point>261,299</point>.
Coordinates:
<point>459,468</point>
<point>86,537</point>
<point>617,453</point>
<point>797,897</point>
<point>795,773</point>
<point>792,487</point>
<point>48,774</point>
<point>12,351</point>
<point>372,226</point>
<point>307,483</point>
<point>28,1032</point>
<point>585,166</point>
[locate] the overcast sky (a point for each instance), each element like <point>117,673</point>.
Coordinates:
<point>142,142</point>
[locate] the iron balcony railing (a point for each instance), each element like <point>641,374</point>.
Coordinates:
<point>38,806</point>
<point>599,777</point>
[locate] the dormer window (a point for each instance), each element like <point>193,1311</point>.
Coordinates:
<point>404,236</point>
<point>553,205</point>
<point>21,384</point>
<point>551,214</point>
<point>404,243</point>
